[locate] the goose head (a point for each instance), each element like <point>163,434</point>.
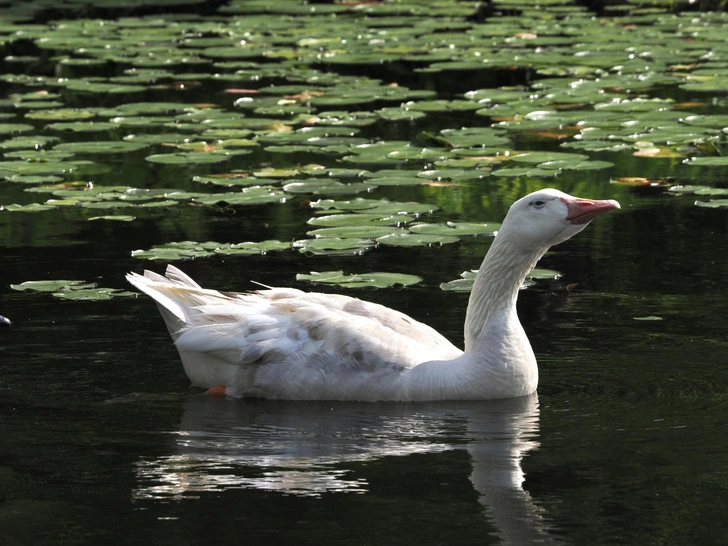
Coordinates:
<point>548,217</point>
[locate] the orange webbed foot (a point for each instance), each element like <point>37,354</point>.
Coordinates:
<point>217,390</point>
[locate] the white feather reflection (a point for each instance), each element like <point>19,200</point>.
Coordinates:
<point>298,448</point>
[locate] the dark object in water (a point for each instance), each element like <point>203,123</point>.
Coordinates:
<point>4,322</point>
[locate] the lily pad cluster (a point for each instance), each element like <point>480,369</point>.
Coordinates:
<point>376,114</point>
<point>186,250</point>
<point>352,227</point>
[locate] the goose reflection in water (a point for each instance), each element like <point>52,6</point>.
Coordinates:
<point>303,448</point>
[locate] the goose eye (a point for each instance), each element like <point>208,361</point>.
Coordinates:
<point>538,204</point>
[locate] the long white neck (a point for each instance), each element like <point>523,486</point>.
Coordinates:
<point>496,286</point>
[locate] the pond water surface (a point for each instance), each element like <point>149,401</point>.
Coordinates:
<point>102,441</point>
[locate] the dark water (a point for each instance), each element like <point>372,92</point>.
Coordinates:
<point>103,442</point>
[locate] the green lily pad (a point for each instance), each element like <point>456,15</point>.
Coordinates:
<point>190,158</point>
<point>51,285</point>
<point>713,203</point>
<point>33,179</point>
<point>11,128</point>
<point>83,126</point>
<point>416,239</point>
<point>362,280</point>
<point>178,250</point>
<point>32,207</point>
<point>100,147</point>
<point>249,248</point>
<point>360,219</point>
<point>333,246</point>
<point>61,114</point>
<point>575,165</point>
<point>255,195</point>
<point>28,141</point>
<point>710,161</point>
<point>373,206</point>
<point>527,172</point>
<point>326,186</point>
<point>542,157</point>
<point>94,294</point>
<point>229,179</point>
<point>114,218</point>
<point>456,228</point>
<point>39,155</point>
<point>355,232</point>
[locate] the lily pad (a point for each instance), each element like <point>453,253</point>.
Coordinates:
<point>32,207</point>
<point>333,246</point>
<point>361,280</point>
<point>710,161</point>
<point>51,286</point>
<point>11,128</point>
<point>456,228</point>
<point>326,186</point>
<point>100,147</point>
<point>416,239</point>
<point>355,232</point>
<point>542,157</point>
<point>255,195</point>
<point>250,248</point>
<point>360,219</point>
<point>190,158</point>
<point>373,206</point>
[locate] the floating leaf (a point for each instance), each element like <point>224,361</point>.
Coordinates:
<point>355,232</point>
<point>116,218</point>
<point>456,228</point>
<point>10,128</point>
<point>51,285</point>
<point>362,280</point>
<point>245,249</point>
<point>360,219</point>
<point>33,207</point>
<point>542,157</point>
<point>100,147</point>
<point>255,195</point>
<point>575,165</point>
<point>190,158</point>
<point>374,206</point>
<point>711,161</point>
<point>326,186</point>
<point>94,294</point>
<point>333,246</point>
<point>416,239</point>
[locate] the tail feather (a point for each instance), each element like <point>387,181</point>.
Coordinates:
<point>177,276</point>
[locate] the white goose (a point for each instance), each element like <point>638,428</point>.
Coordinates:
<point>288,344</point>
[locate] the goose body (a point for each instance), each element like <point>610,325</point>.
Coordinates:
<point>284,343</point>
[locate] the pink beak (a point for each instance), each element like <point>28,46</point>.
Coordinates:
<point>583,211</point>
